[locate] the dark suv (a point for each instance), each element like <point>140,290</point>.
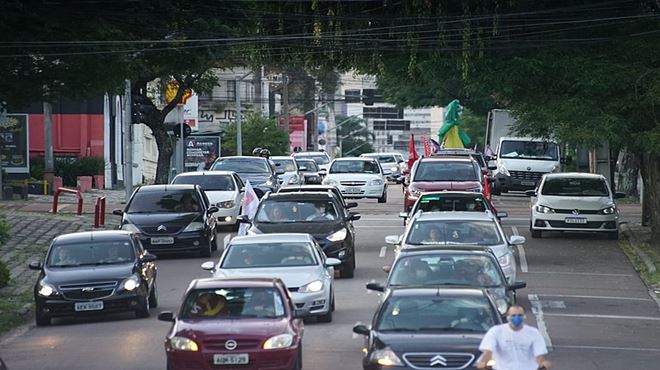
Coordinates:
<point>259,171</point>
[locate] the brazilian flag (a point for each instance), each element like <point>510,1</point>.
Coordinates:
<point>450,134</point>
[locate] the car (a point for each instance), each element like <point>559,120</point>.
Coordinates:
<point>94,272</point>
<point>358,178</point>
<point>319,214</point>
<point>171,218</point>
<point>258,171</point>
<point>297,259</point>
<point>310,170</point>
<point>440,173</point>
<point>428,328</point>
<point>322,159</point>
<point>457,152</point>
<point>574,202</point>
<point>391,163</point>
<point>456,229</point>
<point>235,323</point>
<point>292,174</point>
<point>316,188</point>
<point>224,190</point>
<point>448,201</point>
<point>467,267</point>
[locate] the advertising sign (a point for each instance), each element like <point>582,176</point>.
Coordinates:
<point>297,132</point>
<point>14,149</point>
<point>201,152</point>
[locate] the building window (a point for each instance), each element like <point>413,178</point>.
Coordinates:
<point>231,90</point>
<point>382,112</point>
<point>352,96</point>
<point>402,125</point>
<point>380,126</point>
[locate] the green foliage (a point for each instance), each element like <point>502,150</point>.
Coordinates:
<point>5,276</point>
<point>70,168</point>
<point>257,132</point>
<point>4,231</point>
<point>474,126</point>
<point>37,167</point>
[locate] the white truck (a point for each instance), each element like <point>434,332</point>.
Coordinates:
<point>520,161</point>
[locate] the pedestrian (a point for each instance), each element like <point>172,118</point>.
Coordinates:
<point>514,345</point>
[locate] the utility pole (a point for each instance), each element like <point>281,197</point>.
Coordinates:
<point>3,121</point>
<point>180,147</point>
<point>285,106</point>
<point>128,141</point>
<point>239,134</point>
<point>49,164</point>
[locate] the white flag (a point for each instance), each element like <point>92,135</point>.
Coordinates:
<point>250,204</point>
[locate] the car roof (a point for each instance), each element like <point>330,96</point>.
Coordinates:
<point>454,215</point>
<point>448,159</point>
<point>436,291</point>
<point>345,159</point>
<point>301,195</point>
<point>212,283</point>
<point>242,157</point>
<point>88,236</point>
<point>310,153</point>
<point>309,187</point>
<point>468,194</point>
<point>271,238</point>
<point>375,154</point>
<point>205,173</point>
<point>281,157</point>
<point>582,175</point>
<point>165,188</point>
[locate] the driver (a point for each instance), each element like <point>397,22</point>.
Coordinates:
<point>187,204</point>
<point>320,213</point>
<point>64,257</point>
<point>260,304</point>
<point>433,236</point>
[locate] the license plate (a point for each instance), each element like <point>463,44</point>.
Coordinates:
<point>162,240</point>
<point>352,190</point>
<point>234,359</point>
<point>575,220</point>
<point>88,306</point>
<point>528,183</point>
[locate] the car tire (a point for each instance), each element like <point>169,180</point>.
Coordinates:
<point>153,296</point>
<point>348,271</point>
<point>495,190</point>
<point>206,250</point>
<point>41,319</point>
<point>383,199</point>
<point>613,235</point>
<point>214,242</point>
<point>143,311</point>
<point>326,317</point>
<point>299,361</point>
<point>536,234</point>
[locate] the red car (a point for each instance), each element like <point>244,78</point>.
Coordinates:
<point>235,323</point>
<point>441,173</point>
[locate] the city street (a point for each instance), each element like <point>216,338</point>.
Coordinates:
<point>586,298</point>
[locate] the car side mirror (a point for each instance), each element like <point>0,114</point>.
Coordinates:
<point>351,205</point>
<point>35,265</point>
<point>392,239</point>
<point>322,172</point>
<point>243,219</point>
<point>400,180</point>
<point>242,190</point>
<point>148,258</point>
<point>517,240</point>
<point>302,169</point>
<point>361,329</point>
<point>213,209</point>
<point>387,269</point>
<point>353,216</point>
<point>619,195</point>
<point>118,212</point>
<point>375,287</point>
<point>517,285</point>
<point>208,266</point>
<point>331,262</point>
<point>300,313</point>
<point>279,171</point>
<point>387,172</point>
<point>530,193</point>
<point>166,316</point>
<point>502,214</point>
<point>403,214</point>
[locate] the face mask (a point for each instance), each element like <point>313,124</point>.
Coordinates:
<point>516,321</point>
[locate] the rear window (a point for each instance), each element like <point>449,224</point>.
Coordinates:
<point>232,303</point>
<point>355,167</point>
<point>381,158</point>
<point>165,202</point>
<point>318,158</point>
<point>454,232</point>
<point>478,271</point>
<point>445,171</point>
<point>310,165</point>
<point>208,182</point>
<point>242,165</point>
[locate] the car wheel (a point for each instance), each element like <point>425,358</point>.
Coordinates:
<point>143,311</point>
<point>613,235</point>
<point>299,361</point>
<point>153,296</point>
<point>326,317</point>
<point>41,319</point>
<point>348,271</point>
<point>495,190</point>
<point>205,250</point>
<point>383,199</point>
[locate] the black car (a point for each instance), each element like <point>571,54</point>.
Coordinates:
<point>259,171</point>
<point>428,328</point>
<point>316,188</point>
<point>320,214</point>
<point>171,218</point>
<point>94,272</point>
<point>310,170</point>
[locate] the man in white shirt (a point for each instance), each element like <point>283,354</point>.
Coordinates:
<point>514,345</point>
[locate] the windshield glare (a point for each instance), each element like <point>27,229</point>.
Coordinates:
<point>318,210</point>
<point>529,150</point>
<point>232,303</point>
<point>255,165</point>
<point>286,164</point>
<point>207,182</point>
<point>171,201</point>
<point>441,203</point>
<point>445,171</point>
<point>465,270</point>
<point>91,254</point>
<point>269,255</point>
<point>355,167</point>
<point>445,232</point>
<point>575,187</point>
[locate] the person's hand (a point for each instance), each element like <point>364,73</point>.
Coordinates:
<point>545,364</point>
<point>480,365</point>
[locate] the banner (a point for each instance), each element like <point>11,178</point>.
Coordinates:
<point>14,144</point>
<point>201,152</point>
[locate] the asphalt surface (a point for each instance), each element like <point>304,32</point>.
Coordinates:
<point>582,292</point>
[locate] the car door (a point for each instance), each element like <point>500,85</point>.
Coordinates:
<point>206,204</point>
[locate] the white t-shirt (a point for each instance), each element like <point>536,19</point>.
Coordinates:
<point>514,349</point>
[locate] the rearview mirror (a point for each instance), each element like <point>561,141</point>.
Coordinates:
<point>148,258</point>
<point>530,193</point>
<point>517,240</point>
<point>517,285</point>
<point>118,212</point>
<point>392,239</point>
<point>619,195</point>
<point>208,266</point>
<point>351,205</point>
<point>502,214</point>
<point>492,168</point>
<point>35,265</point>
<point>332,262</point>
<point>361,329</point>
<point>166,316</point>
<point>375,286</point>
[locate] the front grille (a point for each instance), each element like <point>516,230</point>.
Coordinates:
<point>526,175</point>
<point>100,284</point>
<point>218,343</point>
<point>353,183</point>
<point>438,360</point>
<point>588,225</point>
<point>81,295</point>
<point>580,211</point>
<point>170,229</point>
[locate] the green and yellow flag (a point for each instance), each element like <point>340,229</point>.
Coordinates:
<point>450,135</point>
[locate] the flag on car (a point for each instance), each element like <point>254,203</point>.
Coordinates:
<point>249,207</point>
<point>436,146</point>
<point>427,146</point>
<point>412,153</point>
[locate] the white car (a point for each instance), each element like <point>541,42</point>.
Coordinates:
<point>392,163</point>
<point>297,259</point>
<point>574,202</point>
<point>358,178</point>
<point>322,159</point>
<point>224,190</point>
<point>459,229</point>
<point>292,174</point>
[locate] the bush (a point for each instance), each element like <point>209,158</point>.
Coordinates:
<point>69,168</point>
<point>37,167</point>
<point>4,231</point>
<point>5,277</point>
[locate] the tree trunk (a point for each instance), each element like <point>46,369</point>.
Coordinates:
<point>165,150</point>
<point>650,168</point>
<point>629,174</point>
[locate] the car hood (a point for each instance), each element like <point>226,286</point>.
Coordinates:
<point>88,274</point>
<point>149,222</point>
<point>445,185</point>
<point>317,229</point>
<point>254,178</point>
<point>293,277</point>
<point>587,203</point>
<point>430,342</point>
<point>220,196</point>
<point>201,328</point>
<point>533,165</point>
<point>353,176</point>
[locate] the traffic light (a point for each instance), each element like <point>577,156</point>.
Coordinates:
<point>176,130</point>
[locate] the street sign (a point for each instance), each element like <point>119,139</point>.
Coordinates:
<point>14,144</point>
<point>201,152</point>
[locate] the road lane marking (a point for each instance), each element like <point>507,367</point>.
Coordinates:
<point>226,241</point>
<point>578,273</point>
<point>611,348</point>
<point>594,316</point>
<point>537,309</point>
<point>595,297</point>
<point>383,252</point>
<point>521,251</point>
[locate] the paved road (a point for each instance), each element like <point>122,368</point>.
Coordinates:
<point>596,311</point>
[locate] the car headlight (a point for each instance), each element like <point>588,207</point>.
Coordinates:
<point>130,227</point>
<point>386,357</point>
<point>293,180</point>
<point>476,190</point>
<point>269,183</point>
<point>182,344</point>
<point>502,306</point>
<point>46,290</point>
<point>337,236</point>
<point>329,181</point>
<point>226,204</point>
<point>608,211</point>
<point>504,260</point>
<point>313,287</point>
<point>503,170</point>
<point>376,182</point>
<point>194,226</point>
<point>543,209</point>
<point>130,283</point>
<point>279,341</point>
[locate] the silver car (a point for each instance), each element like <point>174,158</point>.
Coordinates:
<point>456,229</point>
<point>292,174</point>
<point>295,258</point>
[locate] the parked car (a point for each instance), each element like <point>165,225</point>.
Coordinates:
<point>297,259</point>
<point>428,328</point>
<point>456,229</point>
<point>235,323</point>
<point>318,214</point>
<point>358,178</point>
<point>574,202</point>
<point>310,171</point>
<point>322,159</point>
<point>391,163</point>
<point>257,170</point>
<point>96,272</point>
<point>441,173</point>
<point>448,201</point>
<point>292,174</point>
<point>466,267</point>
<point>171,218</point>
<point>319,188</point>
<point>224,190</point>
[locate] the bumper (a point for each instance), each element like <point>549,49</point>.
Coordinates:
<point>227,216</point>
<point>184,242</point>
<point>59,307</point>
<point>281,359</point>
<point>317,303</point>
<point>506,183</point>
<point>365,191</point>
<point>557,222</point>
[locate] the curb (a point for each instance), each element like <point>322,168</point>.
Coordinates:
<point>640,253</point>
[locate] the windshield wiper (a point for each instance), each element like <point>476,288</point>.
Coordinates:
<point>399,329</point>
<point>67,265</point>
<point>448,328</point>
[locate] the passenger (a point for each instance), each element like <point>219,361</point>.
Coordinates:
<point>187,204</point>
<point>434,235</point>
<point>211,305</point>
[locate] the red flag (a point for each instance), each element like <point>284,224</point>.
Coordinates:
<point>486,187</point>
<point>412,153</point>
<point>427,146</point>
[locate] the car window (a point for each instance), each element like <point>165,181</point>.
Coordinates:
<point>164,202</point>
<point>318,158</point>
<point>355,167</point>
<point>381,158</point>
<point>442,203</point>
<point>91,254</point>
<point>239,182</point>
<point>529,150</point>
<point>479,271</point>
<point>232,303</point>
<point>575,187</point>
<point>246,165</point>
<point>207,182</point>
<point>445,171</point>
<point>436,314</point>
<point>286,164</point>
<point>443,232</point>
<point>277,211</point>
<point>269,255</point>
<point>309,164</point>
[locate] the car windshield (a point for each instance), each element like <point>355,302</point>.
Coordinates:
<point>318,158</point>
<point>310,165</point>
<point>285,254</point>
<point>284,211</point>
<point>539,150</point>
<point>232,303</point>
<point>355,167</point>
<point>445,171</point>
<point>93,253</point>
<point>449,203</point>
<point>170,201</point>
<point>436,314</point>
<point>381,158</point>
<point>477,271</point>
<point>446,232</point>
<point>286,164</point>
<point>246,165</point>
<point>208,182</point>
<point>575,187</point>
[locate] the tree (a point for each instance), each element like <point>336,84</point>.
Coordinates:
<point>258,132</point>
<point>353,136</point>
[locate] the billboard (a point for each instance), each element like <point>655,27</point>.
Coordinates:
<point>297,132</point>
<point>14,147</point>
<point>201,152</point>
